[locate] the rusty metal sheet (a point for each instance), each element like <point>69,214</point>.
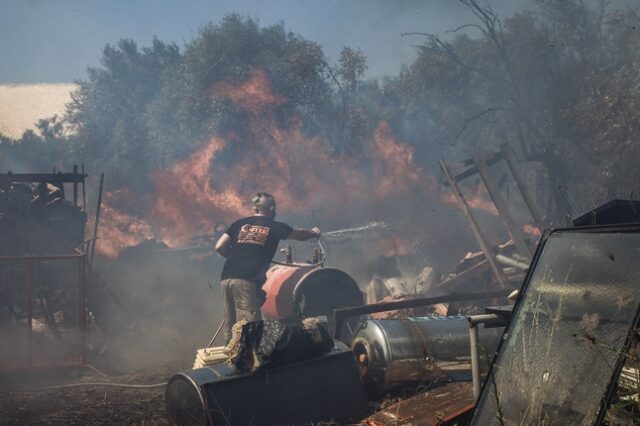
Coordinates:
<point>429,408</point>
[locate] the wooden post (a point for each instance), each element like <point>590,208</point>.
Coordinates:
<point>84,194</point>
<point>501,205</point>
<point>30,312</point>
<point>95,225</point>
<point>82,311</point>
<point>75,186</point>
<point>497,272</point>
<point>528,199</point>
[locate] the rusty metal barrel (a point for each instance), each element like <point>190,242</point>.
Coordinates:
<point>400,352</point>
<point>298,290</point>
<point>322,389</point>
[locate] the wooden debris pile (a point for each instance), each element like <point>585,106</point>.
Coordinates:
<point>35,218</point>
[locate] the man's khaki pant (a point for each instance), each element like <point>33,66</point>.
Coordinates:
<point>240,301</point>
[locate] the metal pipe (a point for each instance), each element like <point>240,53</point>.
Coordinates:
<point>216,333</point>
<point>342,313</point>
<point>474,320</point>
<point>508,261</point>
<point>475,362</point>
<point>38,257</point>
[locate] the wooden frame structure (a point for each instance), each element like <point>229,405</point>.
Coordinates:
<point>479,164</point>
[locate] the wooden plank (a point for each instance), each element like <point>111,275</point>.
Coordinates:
<point>84,194</point>
<point>75,186</point>
<point>497,272</point>
<point>503,210</point>
<point>465,275</point>
<point>473,170</point>
<point>522,186</point>
<point>53,178</point>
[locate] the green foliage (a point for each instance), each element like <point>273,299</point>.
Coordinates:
<point>229,52</point>
<point>110,110</point>
<point>36,152</point>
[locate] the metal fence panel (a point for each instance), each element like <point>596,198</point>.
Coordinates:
<point>42,312</point>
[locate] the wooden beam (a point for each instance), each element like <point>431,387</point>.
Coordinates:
<point>473,170</point>
<point>84,194</point>
<point>497,272</point>
<point>75,186</point>
<point>53,178</point>
<point>97,221</point>
<point>522,186</point>
<point>503,210</point>
<point>465,275</point>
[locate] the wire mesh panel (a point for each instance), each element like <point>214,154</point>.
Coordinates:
<point>564,343</point>
<point>42,312</point>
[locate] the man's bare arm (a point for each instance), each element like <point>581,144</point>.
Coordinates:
<point>299,234</point>
<point>222,245</point>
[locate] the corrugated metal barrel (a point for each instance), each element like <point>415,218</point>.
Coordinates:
<point>326,388</point>
<point>398,352</point>
<point>300,290</point>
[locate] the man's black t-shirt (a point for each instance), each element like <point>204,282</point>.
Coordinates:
<point>254,241</point>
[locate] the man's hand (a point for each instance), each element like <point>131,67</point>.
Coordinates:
<point>316,231</point>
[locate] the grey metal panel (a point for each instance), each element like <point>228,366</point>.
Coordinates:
<point>320,389</point>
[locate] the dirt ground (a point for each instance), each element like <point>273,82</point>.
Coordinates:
<point>37,401</point>
<point>40,398</point>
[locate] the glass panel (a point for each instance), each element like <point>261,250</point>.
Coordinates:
<point>564,343</point>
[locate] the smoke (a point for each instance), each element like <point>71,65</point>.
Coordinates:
<point>164,295</point>
<point>153,307</point>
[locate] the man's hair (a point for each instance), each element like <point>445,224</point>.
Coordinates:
<point>264,202</point>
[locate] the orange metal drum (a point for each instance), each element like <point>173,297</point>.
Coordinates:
<point>280,285</point>
<point>311,291</point>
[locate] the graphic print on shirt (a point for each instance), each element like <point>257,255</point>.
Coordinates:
<point>253,234</point>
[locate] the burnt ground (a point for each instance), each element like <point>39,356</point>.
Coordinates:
<point>45,397</point>
<point>33,402</point>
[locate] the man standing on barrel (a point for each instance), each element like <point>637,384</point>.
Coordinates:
<point>249,245</point>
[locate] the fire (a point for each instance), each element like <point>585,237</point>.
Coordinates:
<point>531,229</point>
<point>398,171</point>
<point>395,246</point>
<point>117,229</point>
<point>477,199</point>
<point>213,184</point>
<point>186,202</point>
<point>253,96</point>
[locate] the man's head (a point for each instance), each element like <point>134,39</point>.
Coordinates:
<point>264,204</point>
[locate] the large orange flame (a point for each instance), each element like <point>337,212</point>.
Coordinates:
<point>119,230</point>
<point>214,183</point>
